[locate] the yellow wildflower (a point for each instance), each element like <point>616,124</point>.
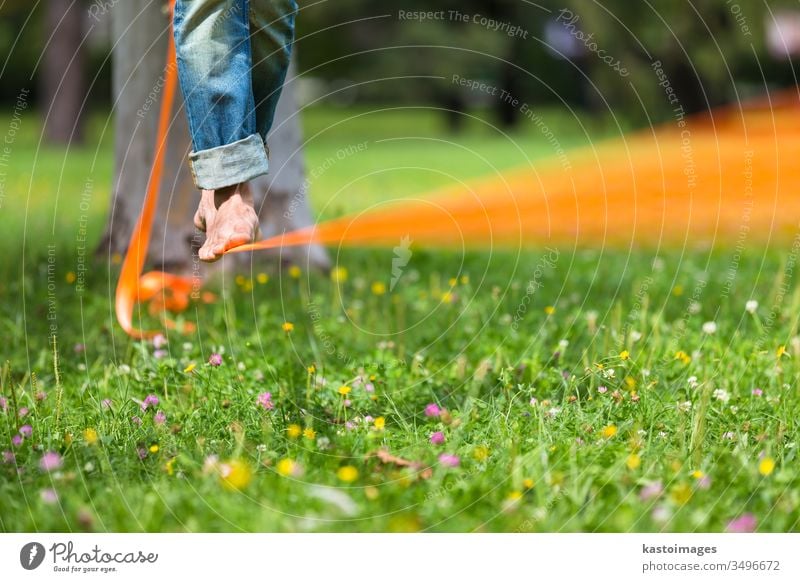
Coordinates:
<point>452,282</point>
<point>609,431</point>
<point>287,326</point>
<point>766,466</point>
<point>344,390</point>
<point>339,275</point>
<point>190,367</point>
<point>286,467</point>
<point>781,350</point>
<point>71,277</point>
<point>378,288</point>
<point>262,278</point>
<point>681,494</point>
<point>624,355</point>
<point>293,431</point>
<point>153,448</point>
<point>527,483</point>
<point>310,433</point>
<point>683,357</point>
<point>295,272</point>
<point>549,310</point>
<point>240,280</point>
<point>633,462</point>
<point>347,473</point>
<point>236,474</point>
<point>677,290</point>
<point>311,369</point>
<point>698,474</point>
<point>380,422</point>
<point>481,453</point>
<point>90,436</point>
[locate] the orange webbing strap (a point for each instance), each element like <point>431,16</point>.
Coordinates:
<point>132,286</point>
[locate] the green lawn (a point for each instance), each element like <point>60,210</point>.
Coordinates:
<point>573,390</point>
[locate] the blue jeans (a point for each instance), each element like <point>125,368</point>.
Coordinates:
<point>232,60</point>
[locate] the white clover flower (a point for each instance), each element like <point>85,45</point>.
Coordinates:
<point>563,344</point>
<point>721,395</point>
<point>635,336</point>
<point>124,369</point>
<point>751,306</point>
<point>709,327</point>
<point>692,381</point>
<point>609,372</point>
<point>694,307</point>
<point>553,412</point>
<point>684,406</point>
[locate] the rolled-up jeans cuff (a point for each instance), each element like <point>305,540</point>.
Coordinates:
<point>229,164</point>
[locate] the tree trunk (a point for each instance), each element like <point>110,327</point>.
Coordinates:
<point>141,29</point>
<point>62,78</point>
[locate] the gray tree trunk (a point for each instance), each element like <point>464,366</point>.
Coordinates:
<point>63,82</point>
<point>141,30</point>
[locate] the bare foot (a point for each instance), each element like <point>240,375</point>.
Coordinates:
<point>228,219</point>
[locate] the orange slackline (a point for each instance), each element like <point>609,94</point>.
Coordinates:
<point>731,175</point>
<point>133,287</point>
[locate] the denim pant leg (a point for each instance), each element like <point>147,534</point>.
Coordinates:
<point>215,69</point>
<point>272,35</point>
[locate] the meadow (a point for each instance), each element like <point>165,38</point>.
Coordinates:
<point>504,390</point>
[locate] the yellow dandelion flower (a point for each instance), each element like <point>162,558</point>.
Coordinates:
<point>452,282</point>
<point>71,278</point>
<point>681,494</point>
<point>481,453</point>
<point>311,369</point>
<point>90,436</point>
<point>378,288</point>
<point>464,279</point>
<point>683,357</point>
<point>697,474</point>
<point>549,310</point>
<point>781,351</point>
<point>347,473</point>
<point>609,431</point>
<point>677,290</point>
<point>190,367</point>
<point>633,462</point>
<point>240,280</point>
<point>295,272</point>
<point>527,483</point>
<point>248,286</point>
<point>766,466</point>
<point>287,326</point>
<point>309,433</point>
<point>286,467</point>
<point>624,355</point>
<point>262,278</point>
<point>515,495</point>
<point>153,448</point>
<point>344,390</point>
<point>380,423</point>
<point>169,466</point>
<point>630,382</point>
<point>293,431</point>
<point>339,275</point>
<point>236,475</point>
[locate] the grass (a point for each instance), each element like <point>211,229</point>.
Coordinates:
<point>578,390</point>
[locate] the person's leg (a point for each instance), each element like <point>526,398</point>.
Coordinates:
<point>272,35</point>
<point>215,68</point>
